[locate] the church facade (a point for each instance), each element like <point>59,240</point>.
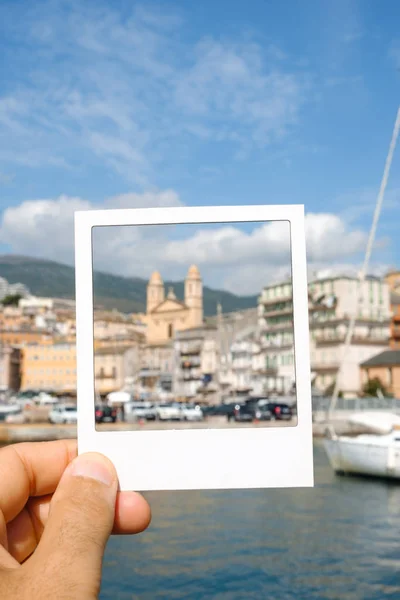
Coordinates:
<point>166,314</point>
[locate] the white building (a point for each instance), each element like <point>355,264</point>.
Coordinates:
<point>332,301</point>
<point>10,289</point>
<point>36,304</point>
<point>196,362</point>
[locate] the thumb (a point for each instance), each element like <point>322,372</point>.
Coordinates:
<point>80,521</point>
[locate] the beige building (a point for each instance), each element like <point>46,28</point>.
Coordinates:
<point>332,302</point>
<point>10,368</point>
<point>115,366</point>
<point>49,367</point>
<point>166,315</point>
<point>385,367</point>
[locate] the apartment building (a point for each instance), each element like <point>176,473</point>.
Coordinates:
<point>195,361</point>
<point>332,302</point>
<point>274,359</point>
<point>10,289</point>
<point>10,368</point>
<point>49,367</point>
<point>115,367</point>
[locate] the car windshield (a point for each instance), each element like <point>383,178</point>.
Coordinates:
<point>70,408</point>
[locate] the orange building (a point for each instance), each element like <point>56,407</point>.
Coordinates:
<point>385,367</point>
<point>393,280</point>
<point>49,367</point>
<point>23,337</point>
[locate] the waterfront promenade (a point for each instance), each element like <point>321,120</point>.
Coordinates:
<point>30,432</point>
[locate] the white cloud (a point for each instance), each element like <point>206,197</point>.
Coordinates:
<point>106,91</point>
<point>241,259</point>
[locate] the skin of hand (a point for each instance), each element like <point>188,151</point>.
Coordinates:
<point>57,512</point>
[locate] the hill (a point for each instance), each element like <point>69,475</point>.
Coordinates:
<point>128,294</point>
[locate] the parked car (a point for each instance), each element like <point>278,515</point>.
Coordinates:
<point>140,410</point>
<point>192,412</point>
<point>169,412</point>
<point>280,411</point>
<point>63,414</point>
<point>105,414</point>
<point>250,412</point>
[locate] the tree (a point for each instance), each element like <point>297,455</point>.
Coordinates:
<point>329,390</point>
<point>373,385</point>
<point>11,300</point>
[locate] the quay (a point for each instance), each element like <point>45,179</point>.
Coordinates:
<point>35,432</point>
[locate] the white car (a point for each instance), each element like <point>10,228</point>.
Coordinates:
<point>63,414</point>
<point>169,412</point>
<point>192,412</point>
<point>140,410</point>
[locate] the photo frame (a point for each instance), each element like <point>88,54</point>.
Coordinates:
<point>197,458</point>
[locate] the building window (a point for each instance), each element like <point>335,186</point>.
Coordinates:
<point>389,376</point>
<point>114,372</point>
<point>170,330</point>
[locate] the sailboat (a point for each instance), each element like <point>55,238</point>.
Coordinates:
<point>377,451</point>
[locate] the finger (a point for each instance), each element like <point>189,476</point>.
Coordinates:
<point>31,469</point>
<point>21,536</point>
<point>132,513</point>
<point>79,524</point>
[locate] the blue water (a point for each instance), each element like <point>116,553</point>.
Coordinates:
<point>338,540</point>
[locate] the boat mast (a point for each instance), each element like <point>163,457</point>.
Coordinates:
<point>363,272</point>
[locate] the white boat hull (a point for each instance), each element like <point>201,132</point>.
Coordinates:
<point>374,455</point>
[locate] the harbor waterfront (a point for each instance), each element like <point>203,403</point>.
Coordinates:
<point>35,432</point>
<point>338,540</point>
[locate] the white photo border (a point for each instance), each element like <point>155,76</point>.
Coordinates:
<point>264,457</point>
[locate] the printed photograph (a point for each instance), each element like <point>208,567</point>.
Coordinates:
<point>193,326</point>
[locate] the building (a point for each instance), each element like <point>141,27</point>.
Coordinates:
<point>395,324</point>
<point>24,336</point>
<point>10,368</point>
<point>196,362</point>
<point>12,289</point>
<point>274,359</point>
<point>385,367</point>
<point>37,305</point>
<point>166,315</point>
<point>393,281</point>
<point>49,367</point>
<point>332,302</point>
<point>109,324</point>
<point>115,367</point>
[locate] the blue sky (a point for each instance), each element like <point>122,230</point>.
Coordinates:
<point>106,104</point>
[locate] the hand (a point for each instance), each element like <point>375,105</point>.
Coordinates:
<point>56,515</point>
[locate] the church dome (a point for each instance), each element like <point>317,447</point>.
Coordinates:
<point>193,272</point>
<point>156,278</point>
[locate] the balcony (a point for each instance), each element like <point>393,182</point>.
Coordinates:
<point>266,371</point>
<point>285,326</point>
<point>278,312</point>
<point>370,340</point>
<point>190,361</point>
<point>322,368</point>
<point>277,300</point>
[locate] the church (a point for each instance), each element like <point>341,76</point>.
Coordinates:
<point>165,314</point>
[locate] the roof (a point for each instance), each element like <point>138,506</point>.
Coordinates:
<point>156,278</point>
<point>384,359</point>
<point>193,272</point>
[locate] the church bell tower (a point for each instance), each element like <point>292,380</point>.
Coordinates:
<point>194,296</point>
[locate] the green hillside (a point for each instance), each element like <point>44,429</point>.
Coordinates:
<point>49,278</point>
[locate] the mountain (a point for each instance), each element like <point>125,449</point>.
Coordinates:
<point>127,294</point>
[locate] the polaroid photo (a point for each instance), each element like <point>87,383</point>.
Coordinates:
<point>193,346</point>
